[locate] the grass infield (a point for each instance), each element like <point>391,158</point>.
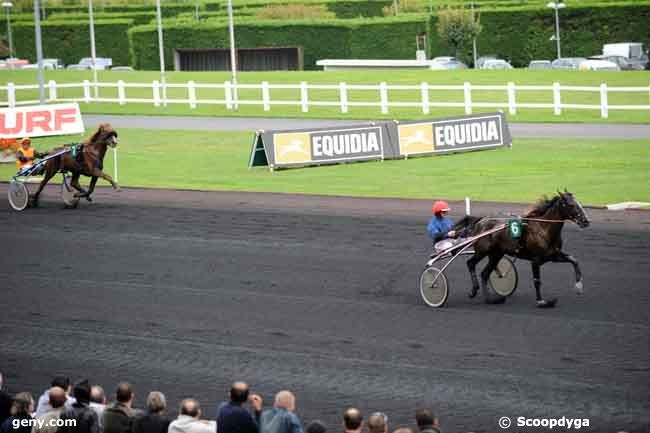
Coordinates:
<point>597,171</point>
<point>485,77</point>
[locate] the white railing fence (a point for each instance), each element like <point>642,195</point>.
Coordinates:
<point>343,101</point>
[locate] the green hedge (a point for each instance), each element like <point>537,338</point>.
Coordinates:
<point>361,38</point>
<point>523,35</point>
<point>137,17</point>
<point>167,9</point>
<point>70,40</point>
<point>342,8</point>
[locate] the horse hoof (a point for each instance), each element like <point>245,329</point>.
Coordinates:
<point>547,303</point>
<point>579,288</point>
<point>89,199</point>
<point>473,292</point>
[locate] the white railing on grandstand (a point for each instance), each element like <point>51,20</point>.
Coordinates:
<point>159,95</point>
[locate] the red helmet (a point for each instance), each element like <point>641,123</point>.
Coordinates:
<point>440,206</point>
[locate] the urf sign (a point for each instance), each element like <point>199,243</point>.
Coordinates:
<point>40,121</point>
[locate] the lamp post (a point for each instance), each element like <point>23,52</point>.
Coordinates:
<point>39,53</point>
<point>161,53</point>
<point>557,5</point>
<point>8,5</point>
<point>93,53</point>
<point>233,56</point>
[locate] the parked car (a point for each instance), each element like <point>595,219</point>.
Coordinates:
<point>14,63</point>
<point>49,64</point>
<point>634,52</point>
<point>539,64</point>
<point>599,65</point>
<point>77,68</point>
<point>496,64</point>
<point>567,63</point>
<point>449,62</point>
<point>101,63</point>
<point>622,62</point>
<point>481,60</point>
<point>121,68</point>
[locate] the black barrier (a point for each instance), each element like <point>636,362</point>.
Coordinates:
<point>378,141</point>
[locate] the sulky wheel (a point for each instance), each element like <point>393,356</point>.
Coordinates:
<point>18,195</point>
<point>504,278</point>
<point>434,287</point>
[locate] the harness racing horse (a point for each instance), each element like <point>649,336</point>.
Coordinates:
<point>540,242</point>
<point>88,161</point>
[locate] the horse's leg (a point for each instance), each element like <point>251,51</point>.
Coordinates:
<point>537,281</point>
<point>563,257</point>
<point>50,171</point>
<point>96,172</point>
<point>490,297</point>
<point>471,265</point>
<point>74,182</point>
<point>91,187</point>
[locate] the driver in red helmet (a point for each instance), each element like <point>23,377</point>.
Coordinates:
<point>440,226</point>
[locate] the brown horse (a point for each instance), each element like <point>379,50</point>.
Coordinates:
<point>88,161</point>
<point>540,242</point>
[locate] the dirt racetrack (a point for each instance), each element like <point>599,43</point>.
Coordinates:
<point>187,291</point>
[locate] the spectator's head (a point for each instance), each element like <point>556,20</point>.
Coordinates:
<point>352,419</point>
<point>316,426</point>
<point>378,423</point>
<point>61,382</point>
<point>156,402</point>
<point>23,404</point>
<point>239,393</point>
<point>81,392</point>
<point>425,419</point>
<point>124,393</point>
<point>285,399</point>
<point>191,407</point>
<point>57,397</point>
<point>403,430</point>
<point>97,394</point>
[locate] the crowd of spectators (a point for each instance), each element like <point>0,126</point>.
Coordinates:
<point>243,413</point>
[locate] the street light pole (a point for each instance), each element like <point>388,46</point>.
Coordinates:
<point>233,55</point>
<point>7,6</point>
<point>93,54</point>
<point>557,5</point>
<point>39,53</point>
<point>161,52</point>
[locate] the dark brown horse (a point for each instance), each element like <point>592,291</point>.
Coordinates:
<point>88,161</point>
<point>540,242</point>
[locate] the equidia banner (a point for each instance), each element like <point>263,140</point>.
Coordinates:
<point>378,141</point>
<point>40,121</point>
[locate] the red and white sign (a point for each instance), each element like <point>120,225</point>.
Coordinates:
<point>41,121</point>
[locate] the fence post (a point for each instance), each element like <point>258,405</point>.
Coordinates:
<point>266,97</point>
<point>557,99</point>
<point>383,97</point>
<point>343,90</point>
<point>52,88</point>
<point>468,98</point>
<point>227,87</point>
<point>604,110</point>
<point>86,91</point>
<point>191,94</point>
<point>121,95</point>
<point>304,96</point>
<point>424,89</point>
<point>512,107</point>
<point>155,86</point>
<point>11,95</point>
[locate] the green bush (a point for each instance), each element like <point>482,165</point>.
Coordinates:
<point>70,40</point>
<point>294,12</point>
<point>137,17</point>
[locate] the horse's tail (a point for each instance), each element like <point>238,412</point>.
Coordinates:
<point>465,226</point>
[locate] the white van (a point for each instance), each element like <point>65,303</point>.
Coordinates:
<point>633,51</point>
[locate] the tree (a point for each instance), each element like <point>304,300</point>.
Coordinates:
<point>457,27</point>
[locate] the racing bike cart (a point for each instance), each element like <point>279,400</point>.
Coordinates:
<point>434,285</point>
<point>18,192</point>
